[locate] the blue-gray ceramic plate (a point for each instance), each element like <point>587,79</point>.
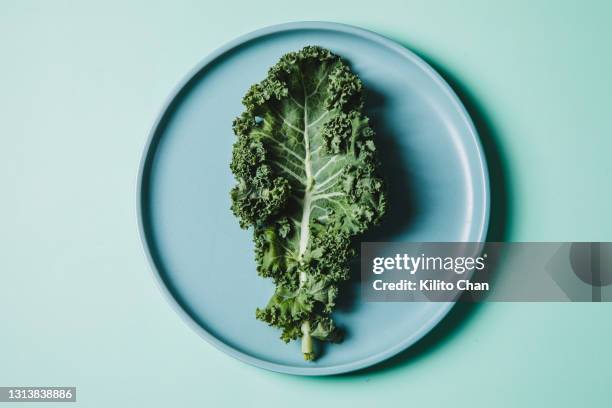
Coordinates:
<point>433,164</point>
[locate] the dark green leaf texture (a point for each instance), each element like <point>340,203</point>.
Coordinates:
<point>306,176</point>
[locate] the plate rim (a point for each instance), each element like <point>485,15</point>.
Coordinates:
<point>152,140</point>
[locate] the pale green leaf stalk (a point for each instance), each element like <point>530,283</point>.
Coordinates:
<point>307,184</point>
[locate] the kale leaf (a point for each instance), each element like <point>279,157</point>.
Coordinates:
<point>307,184</point>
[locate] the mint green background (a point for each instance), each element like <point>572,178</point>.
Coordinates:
<point>81,84</point>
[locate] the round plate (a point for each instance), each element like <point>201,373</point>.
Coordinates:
<point>432,162</point>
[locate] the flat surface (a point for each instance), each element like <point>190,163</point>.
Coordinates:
<point>431,159</point>
<point>81,86</point>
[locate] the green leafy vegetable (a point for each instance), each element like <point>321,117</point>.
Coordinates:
<point>306,178</point>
